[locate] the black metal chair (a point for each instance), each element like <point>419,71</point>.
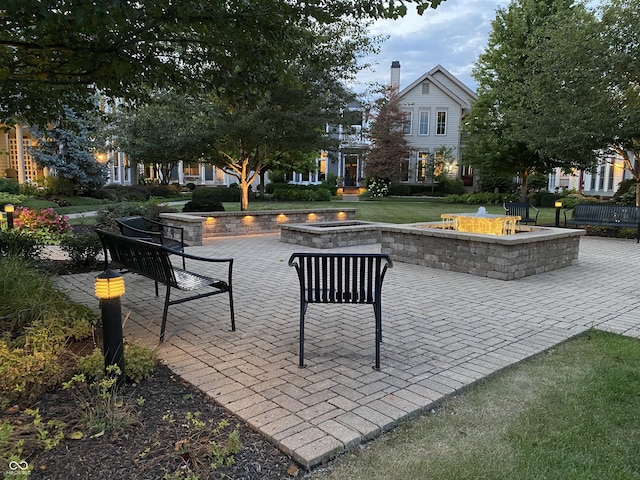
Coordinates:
<point>143,228</point>
<point>341,278</point>
<point>527,212</point>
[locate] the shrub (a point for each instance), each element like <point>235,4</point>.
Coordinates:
<point>138,364</point>
<point>29,367</point>
<point>106,219</point>
<point>211,206</point>
<point>448,186</point>
<point>83,249</point>
<point>215,194</point>
<point>543,198</point>
<point>105,194</point>
<point>482,198</point>
<point>10,199</point>
<point>19,244</point>
<point>400,190</point>
<point>191,186</point>
<point>46,226</point>
<point>378,187</point>
<point>623,187</point>
<point>629,197</point>
<point>9,186</point>
<point>330,183</point>
<point>308,193</point>
<point>161,191</point>
<point>39,320</point>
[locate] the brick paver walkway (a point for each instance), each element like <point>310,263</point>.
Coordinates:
<point>442,331</point>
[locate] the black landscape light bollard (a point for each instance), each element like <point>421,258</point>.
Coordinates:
<point>9,209</point>
<point>109,287</point>
<point>558,206</point>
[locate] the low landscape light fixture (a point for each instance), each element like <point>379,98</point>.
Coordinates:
<point>9,209</point>
<point>558,206</point>
<point>109,287</point>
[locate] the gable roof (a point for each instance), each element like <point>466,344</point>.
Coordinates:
<point>450,79</point>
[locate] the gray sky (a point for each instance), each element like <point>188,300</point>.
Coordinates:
<point>453,35</point>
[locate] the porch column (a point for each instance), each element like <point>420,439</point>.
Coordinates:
<point>20,154</point>
<point>180,172</point>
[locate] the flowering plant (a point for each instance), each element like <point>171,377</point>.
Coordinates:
<point>378,187</point>
<point>46,226</point>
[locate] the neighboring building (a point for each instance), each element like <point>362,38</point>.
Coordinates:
<point>347,162</point>
<point>603,180</point>
<point>435,104</point>
<point>16,162</point>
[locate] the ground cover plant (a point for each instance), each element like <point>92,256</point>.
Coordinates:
<point>568,414</point>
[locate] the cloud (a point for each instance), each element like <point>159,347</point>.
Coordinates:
<point>453,35</point>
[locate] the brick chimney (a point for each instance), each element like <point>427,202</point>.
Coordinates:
<point>395,74</point>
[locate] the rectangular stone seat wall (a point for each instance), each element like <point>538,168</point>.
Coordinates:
<point>487,259</point>
<point>201,227</point>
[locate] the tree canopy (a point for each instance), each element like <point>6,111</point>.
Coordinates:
<point>56,52</point>
<point>557,88</point>
<point>389,144</point>
<point>68,149</point>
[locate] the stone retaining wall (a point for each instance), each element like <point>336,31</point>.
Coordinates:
<point>331,234</point>
<point>533,250</point>
<point>203,226</point>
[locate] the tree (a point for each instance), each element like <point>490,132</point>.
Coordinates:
<point>165,131</point>
<point>389,145</point>
<point>68,149</point>
<point>621,32</point>
<point>287,128</point>
<point>55,52</point>
<point>498,129</point>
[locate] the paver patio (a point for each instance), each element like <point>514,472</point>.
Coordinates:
<point>442,331</point>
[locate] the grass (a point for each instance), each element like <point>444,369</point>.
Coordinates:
<point>392,210</point>
<point>389,210</point>
<point>569,414</point>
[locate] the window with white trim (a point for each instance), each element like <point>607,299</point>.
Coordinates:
<point>423,122</point>
<point>441,122</point>
<point>406,123</point>
<point>425,165</point>
<point>404,170</point>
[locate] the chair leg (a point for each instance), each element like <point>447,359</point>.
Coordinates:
<point>164,313</point>
<point>303,309</point>
<point>378,315</point>
<point>233,317</point>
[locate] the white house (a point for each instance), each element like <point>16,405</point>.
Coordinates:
<point>603,180</point>
<point>435,104</point>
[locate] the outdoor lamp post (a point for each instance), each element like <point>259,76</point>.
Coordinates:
<point>9,209</point>
<point>558,206</point>
<point>109,287</point>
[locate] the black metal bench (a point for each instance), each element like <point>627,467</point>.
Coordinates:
<point>144,228</point>
<point>152,261</point>
<point>524,210</point>
<point>603,215</point>
<point>341,278</point>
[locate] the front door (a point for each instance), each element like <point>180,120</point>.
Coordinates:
<point>351,171</point>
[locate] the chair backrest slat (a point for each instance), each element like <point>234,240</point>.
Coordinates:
<point>145,258</point>
<point>340,278</point>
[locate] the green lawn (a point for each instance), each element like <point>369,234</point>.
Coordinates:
<point>572,413</point>
<point>391,210</point>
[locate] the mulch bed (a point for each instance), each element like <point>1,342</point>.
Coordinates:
<point>152,446</point>
<point>160,442</point>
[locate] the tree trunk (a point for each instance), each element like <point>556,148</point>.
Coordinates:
<point>244,195</point>
<point>637,192</point>
<point>525,187</point>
